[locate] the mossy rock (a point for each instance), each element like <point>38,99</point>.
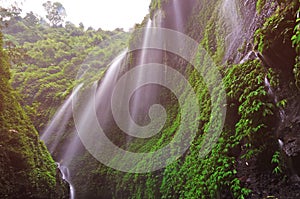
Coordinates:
<point>26,167</point>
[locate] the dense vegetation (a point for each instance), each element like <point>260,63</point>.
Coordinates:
<point>246,161</point>
<point>47,60</point>
<point>27,170</point>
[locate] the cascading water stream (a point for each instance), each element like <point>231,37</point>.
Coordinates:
<point>142,60</point>
<point>281,111</point>
<point>178,16</point>
<point>233,25</point>
<point>143,97</point>
<point>56,129</point>
<point>282,114</point>
<point>85,108</point>
<point>257,55</point>
<point>66,176</point>
<point>271,93</point>
<point>59,122</point>
<point>246,57</point>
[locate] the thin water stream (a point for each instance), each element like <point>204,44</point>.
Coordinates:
<point>271,93</point>
<point>66,176</point>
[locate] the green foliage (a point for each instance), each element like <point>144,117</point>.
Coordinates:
<point>282,103</point>
<point>55,12</point>
<point>246,84</point>
<point>296,44</point>
<point>214,35</point>
<point>47,75</point>
<point>282,26</point>
<point>10,12</point>
<point>276,160</point>
<point>26,167</point>
<point>46,63</point>
<point>209,177</point>
<point>259,5</point>
<point>277,26</point>
<point>193,176</point>
<point>155,5</point>
<point>296,36</point>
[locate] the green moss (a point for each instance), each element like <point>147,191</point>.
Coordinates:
<point>214,34</point>
<point>296,44</point>
<point>155,5</point>
<point>245,84</point>
<point>278,26</point>
<point>259,5</point>
<point>27,169</point>
<point>250,116</point>
<point>192,176</point>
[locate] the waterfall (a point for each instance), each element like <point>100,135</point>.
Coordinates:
<point>93,106</point>
<point>66,176</point>
<point>145,96</point>
<point>246,57</point>
<point>267,84</point>
<point>271,93</point>
<point>138,97</point>
<point>59,122</point>
<point>282,114</point>
<point>179,24</point>
<point>238,22</point>
<point>64,143</point>
<point>229,14</point>
<point>56,129</point>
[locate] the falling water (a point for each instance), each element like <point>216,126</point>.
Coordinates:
<point>108,81</point>
<point>157,19</point>
<point>102,94</point>
<point>66,176</point>
<point>58,124</point>
<point>233,24</point>
<point>139,97</point>
<point>246,2</point>
<point>146,41</point>
<point>247,56</point>
<point>266,81</point>
<point>141,100</point>
<point>145,96</point>
<point>57,128</point>
<point>271,93</point>
<point>178,16</point>
<point>282,114</point>
<point>230,11</point>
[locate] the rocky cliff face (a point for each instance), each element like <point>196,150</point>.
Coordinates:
<point>258,148</point>
<point>26,168</point>
<point>256,154</point>
<point>251,42</point>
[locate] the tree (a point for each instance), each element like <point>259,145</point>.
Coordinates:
<point>31,19</point>
<point>56,13</point>
<point>8,14</point>
<point>81,26</point>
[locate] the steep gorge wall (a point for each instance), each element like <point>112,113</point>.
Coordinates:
<point>245,40</point>
<point>249,40</point>
<point>250,43</point>
<point>26,168</point>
